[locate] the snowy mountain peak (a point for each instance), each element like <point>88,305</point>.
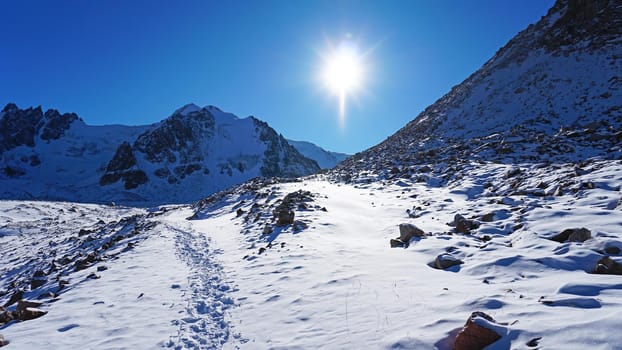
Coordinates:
<point>192,153</point>
<point>551,94</point>
<point>187,109</point>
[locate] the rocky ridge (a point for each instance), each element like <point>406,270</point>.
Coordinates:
<point>194,152</point>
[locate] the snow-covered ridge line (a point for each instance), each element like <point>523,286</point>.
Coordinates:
<point>189,155</point>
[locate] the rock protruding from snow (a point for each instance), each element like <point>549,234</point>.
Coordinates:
<point>445,261</point>
<point>407,233</point>
<point>608,266</point>
<point>477,333</point>
<point>573,235</point>
<point>463,225</point>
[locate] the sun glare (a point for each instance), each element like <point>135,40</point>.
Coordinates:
<point>343,73</point>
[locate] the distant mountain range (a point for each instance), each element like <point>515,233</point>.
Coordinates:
<point>325,159</point>
<point>193,153</point>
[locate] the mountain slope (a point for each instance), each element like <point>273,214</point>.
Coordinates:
<point>325,159</point>
<point>193,153</point>
<point>552,93</point>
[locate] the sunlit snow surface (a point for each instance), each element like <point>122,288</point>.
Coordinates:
<point>203,283</point>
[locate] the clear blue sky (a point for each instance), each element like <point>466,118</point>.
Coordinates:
<point>135,62</point>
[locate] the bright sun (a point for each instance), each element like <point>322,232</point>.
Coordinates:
<point>343,73</point>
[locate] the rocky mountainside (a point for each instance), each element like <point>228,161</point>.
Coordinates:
<point>325,159</point>
<point>552,94</point>
<point>193,153</point>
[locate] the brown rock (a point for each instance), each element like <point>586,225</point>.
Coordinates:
<point>3,341</point>
<point>38,279</point>
<point>445,261</point>
<point>409,231</point>
<point>488,217</point>
<point>463,225</point>
<point>18,295</point>
<point>573,235</point>
<point>397,243</point>
<point>608,266</point>
<point>284,217</point>
<point>30,313</point>
<point>475,336</point>
<point>24,304</point>
<point>6,317</point>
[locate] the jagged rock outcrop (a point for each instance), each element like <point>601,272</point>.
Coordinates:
<point>122,167</point>
<point>280,158</point>
<point>20,127</point>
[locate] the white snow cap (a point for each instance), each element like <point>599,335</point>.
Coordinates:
<point>187,109</point>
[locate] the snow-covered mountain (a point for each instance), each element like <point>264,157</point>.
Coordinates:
<point>552,93</point>
<point>325,159</point>
<point>491,221</point>
<point>193,153</point>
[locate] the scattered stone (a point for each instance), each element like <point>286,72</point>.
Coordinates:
<point>476,334</point>
<point>407,233</point>
<point>62,284</point>
<point>612,250</point>
<point>3,341</point>
<point>488,217</point>
<point>30,313</point>
<point>18,295</point>
<point>398,243</point>
<point>608,266</point>
<point>284,217</point>
<point>6,317</point>
<point>462,225</point>
<point>22,305</point>
<point>445,261</point>
<point>239,212</point>
<point>512,172</point>
<point>102,268</point>
<point>300,225</point>
<point>573,235</point>
<point>534,342</point>
<point>175,286</point>
<point>93,276</point>
<point>38,279</point>
<point>267,229</point>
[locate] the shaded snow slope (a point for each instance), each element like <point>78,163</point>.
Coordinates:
<point>193,153</point>
<point>325,159</point>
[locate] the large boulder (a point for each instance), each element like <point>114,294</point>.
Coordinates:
<point>477,333</point>
<point>284,217</point>
<point>573,235</point>
<point>407,233</point>
<point>445,261</point>
<point>463,225</point>
<point>38,279</point>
